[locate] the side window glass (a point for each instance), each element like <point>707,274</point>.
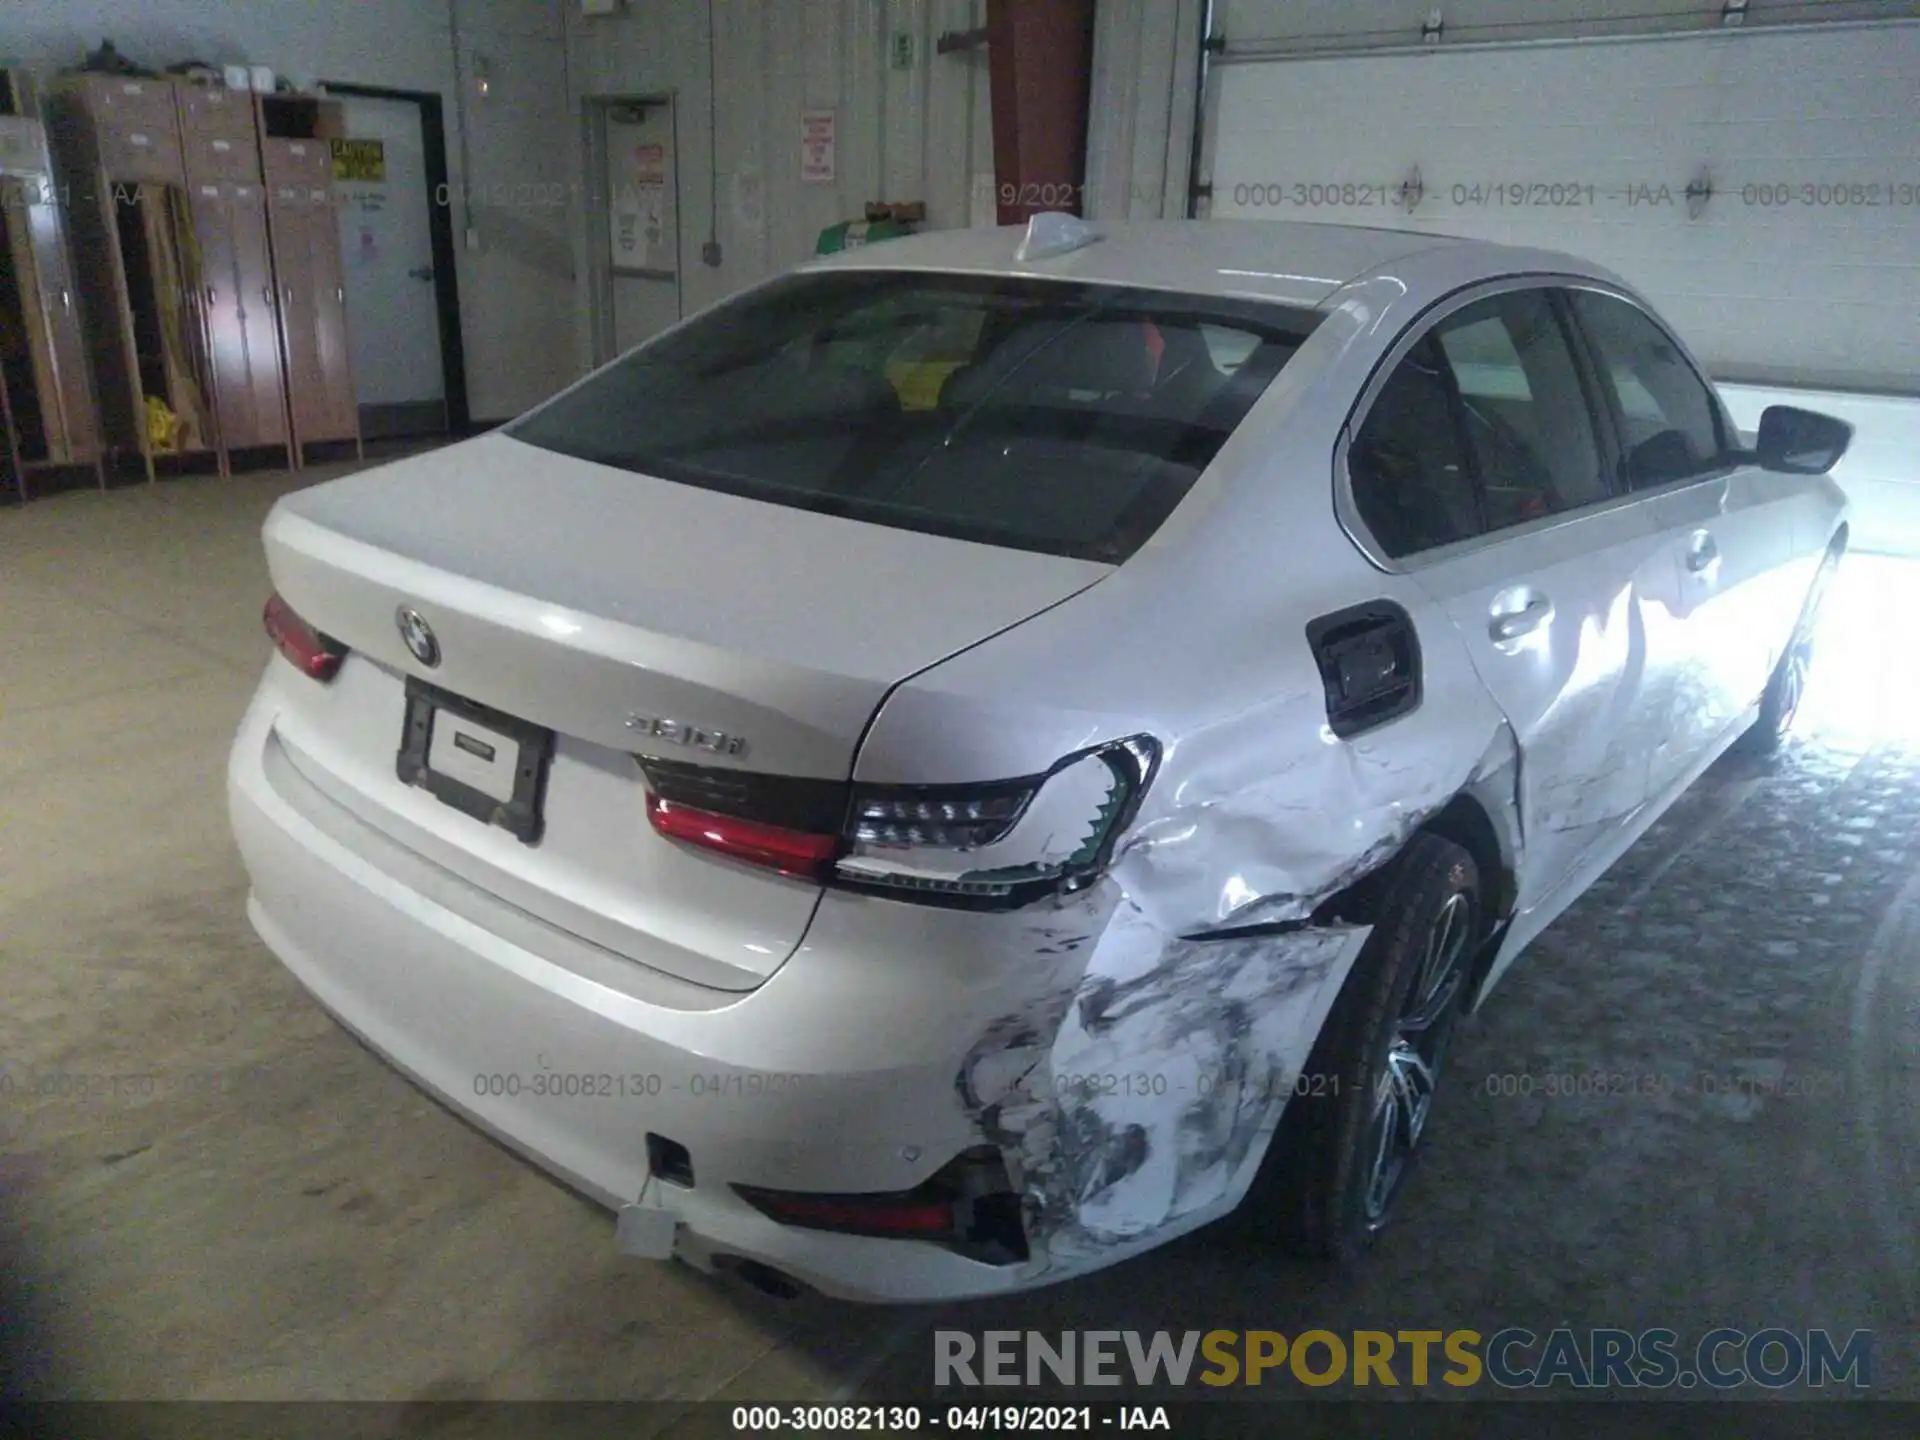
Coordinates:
<point>1528,428</point>
<point>1671,422</point>
<point>1410,480</point>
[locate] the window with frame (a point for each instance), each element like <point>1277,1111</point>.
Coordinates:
<point>1038,414</point>
<point>1410,479</point>
<point>1528,430</point>
<point>1670,422</point>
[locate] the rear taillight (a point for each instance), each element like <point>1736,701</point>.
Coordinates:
<point>968,1206</point>
<point>994,846</point>
<point>791,852</point>
<point>310,652</point>
<point>997,845</point>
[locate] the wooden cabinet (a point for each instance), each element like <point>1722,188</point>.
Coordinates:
<point>121,103</point>
<point>216,318</point>
<point>46,394</point>
<point>313,312</point>
<point>146,152</point>
<point>117,141</point>
<point>218,135</point>
<point>66,395</point>
<point>297,162</point>
<point>239,307</point>
<point>211,110</point>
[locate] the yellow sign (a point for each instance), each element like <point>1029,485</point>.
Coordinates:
<point>364,160</point>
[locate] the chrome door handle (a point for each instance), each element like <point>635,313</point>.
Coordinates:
<point>1528,618</point>
<point>1701,552</point>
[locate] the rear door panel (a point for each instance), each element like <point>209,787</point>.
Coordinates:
<point>1585,711</point>
<point>1551,578</point>
<point>1732,547</point>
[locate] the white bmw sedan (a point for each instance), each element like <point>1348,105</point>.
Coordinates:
<point>942,771</point>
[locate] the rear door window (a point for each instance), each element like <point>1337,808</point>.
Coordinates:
<point>1669,420</point>
<point>1528,429</point>
<point>1411,482</point>
<point>1039,414</point>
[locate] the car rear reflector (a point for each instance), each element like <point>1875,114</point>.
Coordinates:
<point>791,852</point>
<point>311,653</point>
<point>967,1206</point>
<point>855,1215</point>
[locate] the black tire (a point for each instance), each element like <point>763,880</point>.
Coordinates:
<point>1328,1199</point>
<point>1780,701</point>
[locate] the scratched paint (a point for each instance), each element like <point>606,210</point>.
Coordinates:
<point>1136,1099</point>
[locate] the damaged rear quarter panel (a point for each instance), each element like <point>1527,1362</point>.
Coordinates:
<point>1134,1089</point>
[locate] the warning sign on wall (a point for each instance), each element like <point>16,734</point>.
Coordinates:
<point>817,147</point>
<point>360,160</point>
<point>640,191</point>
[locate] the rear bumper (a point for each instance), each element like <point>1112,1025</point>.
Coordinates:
<point>845,1072</point>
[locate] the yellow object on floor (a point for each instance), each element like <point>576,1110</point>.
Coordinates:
<point>163,426</point>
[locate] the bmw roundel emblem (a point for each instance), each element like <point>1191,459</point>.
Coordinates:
<point>418,635</point>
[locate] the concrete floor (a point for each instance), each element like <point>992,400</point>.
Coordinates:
<point>284,1217</point>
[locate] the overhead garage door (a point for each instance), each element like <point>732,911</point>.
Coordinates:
<point>1793,264</point>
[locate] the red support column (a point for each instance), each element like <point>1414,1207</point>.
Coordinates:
<point>1040,66</point>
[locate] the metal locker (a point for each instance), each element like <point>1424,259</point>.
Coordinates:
<point>70,391</point>
<point>241,315</point>
<point>306,247</point>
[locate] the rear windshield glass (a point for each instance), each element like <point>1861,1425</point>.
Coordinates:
<point>1037,414</point>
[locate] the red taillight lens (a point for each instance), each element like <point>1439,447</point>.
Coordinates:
<point>854,1214</point>
<point>791,852</point>
<point>968,1206</point>
<point>312,653</point>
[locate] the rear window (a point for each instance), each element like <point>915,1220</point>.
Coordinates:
<point>1037,414</point>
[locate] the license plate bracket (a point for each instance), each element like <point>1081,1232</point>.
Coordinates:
<point>520,812</point>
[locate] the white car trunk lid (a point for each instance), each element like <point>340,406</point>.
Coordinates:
<point>594,602</point>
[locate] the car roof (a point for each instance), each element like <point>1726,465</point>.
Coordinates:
<point>1291,262</point>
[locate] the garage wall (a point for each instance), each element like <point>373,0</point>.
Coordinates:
<point>1820,293</point>
<point>516,291</point>
<point>1612,134</point>
<point>919,133</point>
<point>1302,26</point>
<point>1141,112</point>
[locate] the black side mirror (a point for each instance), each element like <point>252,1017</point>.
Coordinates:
<point>1800,442</point>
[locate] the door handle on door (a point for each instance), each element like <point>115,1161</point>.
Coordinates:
<point>1525,620</point>
<point>421,272</point>
<point>1701,552</point>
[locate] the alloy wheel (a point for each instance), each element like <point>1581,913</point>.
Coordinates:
<point>1403,1093</point>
